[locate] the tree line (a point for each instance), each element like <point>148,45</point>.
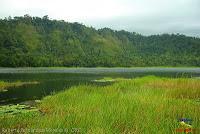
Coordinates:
<point>36,42</point>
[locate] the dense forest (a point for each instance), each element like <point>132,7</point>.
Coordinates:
<point>35,42</point>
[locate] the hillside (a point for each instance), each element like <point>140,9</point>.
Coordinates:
<point>33,41</point>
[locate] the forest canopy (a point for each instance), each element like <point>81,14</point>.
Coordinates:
<point>36,42</point>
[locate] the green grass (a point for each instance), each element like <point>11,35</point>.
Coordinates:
<point>4,86</point>
<point>148,105</point>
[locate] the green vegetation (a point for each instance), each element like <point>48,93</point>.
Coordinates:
<point>6,85</point>
<point>109,79</point>
<point>147,105</point>
<point>36,42</point>
<point>13,110</point>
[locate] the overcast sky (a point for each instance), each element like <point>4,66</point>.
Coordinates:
<point>142,16</point>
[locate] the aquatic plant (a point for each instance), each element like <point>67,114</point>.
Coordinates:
<point>16,109</point>
<point>109,79</point>
<point>4,86</point>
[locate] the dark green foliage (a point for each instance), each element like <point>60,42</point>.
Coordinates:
<point>33,41</point>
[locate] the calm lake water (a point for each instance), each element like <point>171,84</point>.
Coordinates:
<point>52,80</point>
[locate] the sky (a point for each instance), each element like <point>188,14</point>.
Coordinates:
<point>146,17</point>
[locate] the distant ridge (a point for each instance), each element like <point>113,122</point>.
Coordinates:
<point>35,42</point>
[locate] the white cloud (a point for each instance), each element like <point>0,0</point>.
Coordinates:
<point>145,16</point>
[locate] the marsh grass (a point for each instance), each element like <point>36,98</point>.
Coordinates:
<point>178,88</point>
<point>148,105</point>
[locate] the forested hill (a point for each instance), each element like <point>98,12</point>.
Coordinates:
<point>33,41</point>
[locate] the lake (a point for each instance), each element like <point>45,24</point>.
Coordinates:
<point>53,80</point>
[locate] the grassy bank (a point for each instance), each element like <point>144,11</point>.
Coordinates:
<point>4,86</point>
<point>147,105</point>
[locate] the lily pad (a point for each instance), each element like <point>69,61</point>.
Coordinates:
<point>16,109</point>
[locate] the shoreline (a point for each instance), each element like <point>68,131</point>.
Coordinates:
<point>98,69</point>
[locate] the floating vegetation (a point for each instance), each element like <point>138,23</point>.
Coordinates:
<point>3,90</point>
<point>5,85</point>
<point>38,101</point>
<point>16,109</point>
<point>109,79</point>
<point>105,80</point>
